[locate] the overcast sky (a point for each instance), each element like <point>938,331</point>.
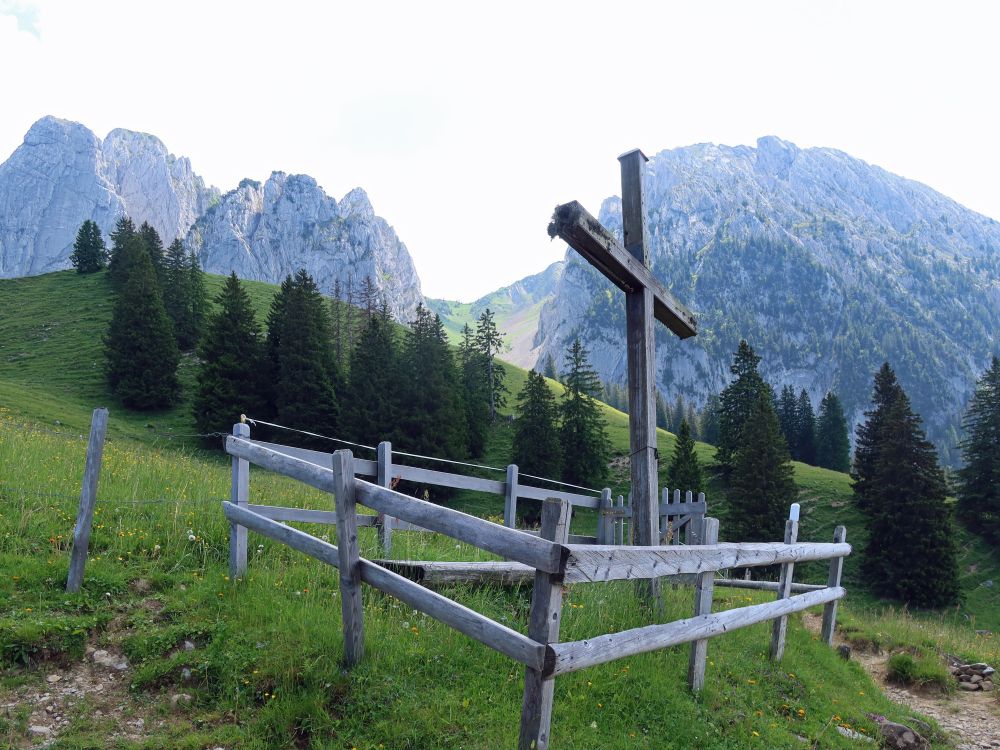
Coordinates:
<point>467,123</point>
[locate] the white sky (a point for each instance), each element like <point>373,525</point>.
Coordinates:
<point>468,122</point>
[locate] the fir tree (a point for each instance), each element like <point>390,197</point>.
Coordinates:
<point>475,388</point>
<point>197,300</point>
<point>184,294</point>
<point>371,395</point>
<point>340,350</point>
<point>684,472</point>
<point>737,401</point>
<point>122,235</point>
<point>910,554</point>
<point>866,449</point>
<point>141,353</point>
<point>788,418</point>
<point>489,341</point>
<point>535,447</point>
<point>677,414</point>
<point>228,381</point>
<point>710,420</point>
<point>833,448</point>
<point>550,367</point>
<point>662,412</point>
<point>89,252</point>
<point>154,246</point>
<point>692,420</point>
<point>761,484</point>
<point>805,429</point>
<point>583,435</point>
<point>979,480</point>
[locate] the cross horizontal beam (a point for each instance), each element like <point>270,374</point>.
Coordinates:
<point>581,231</point>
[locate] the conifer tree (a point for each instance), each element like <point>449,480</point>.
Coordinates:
<point>371,395</point>
<point>232,350</point>
<point>154,246</point>
<point>761,484</point>
<point>866,450</point>
<point>979,479</point>
<point>89,252</point>
<point>805,429</point>
<point>550,367</point>
<point>340,350</point>
<point>475,388</point>
<point>737,401</point>
<point>198,300</point>
<point>184,294</point>
<point>535,447</point>
<point>910,554</point>
<point>662,412</point>
<point>709,431</point>
<point>583,435</point>
<point>833,448</point>
<point>121,236</point>
<point>788,418</point>
<point>684,472</point>
<point>677,414</point>
<point>692,420</point>
<point>141,353</point>
<point>489,341</point>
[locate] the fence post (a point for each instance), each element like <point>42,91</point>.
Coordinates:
<point>88,497</point>
<point>385,480</point>
<point>666,533</point>
<point>543,627</point>
<point>620,522</point>
<point>605,524</point>
<point>703,591</point>
<point>836,569</point>
<point>347,548</point>
<point>698,522</point>
<point>239,495</point>
<point>780,626</point>
<point>510,498</point>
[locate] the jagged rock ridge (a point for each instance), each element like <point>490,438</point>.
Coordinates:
<point>826,264</point>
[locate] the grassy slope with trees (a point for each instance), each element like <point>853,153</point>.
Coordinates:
<point>51,369</point>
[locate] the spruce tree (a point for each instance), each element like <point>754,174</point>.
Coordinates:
<point>583,436</point>
<point>475,389</point>
<point>684,472</point>
<point>737,401</point>
<point>184,294</point>
<point>833,448</point>
<point>197,300</point>
<point>866,450</point>
<point>761,484</point>
<point>788,418</point>
<point>910,554</point>
<point>692,420</point>
<point>662,412</point>
<point>805,429</point>
<point>979,479</point>
<point>709,431</point>
<point>141,353</point>
<point>232,350</point>
<point>154,246</point>
<point>122,235</point>
<point>535,447</point>
<point>550,367</point>
<point>371,394</point>
<point>89,252</point>
<point>489,341</point>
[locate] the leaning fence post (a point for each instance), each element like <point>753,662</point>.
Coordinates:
<point>605,524</point>
<point>347,548</point>
<point>239,495</point>
<point>88,497</point>
<point>780,626</point>
<point>510,497</point>
<point>385,480</point>
<point>703,591</point>
<point>836,570</point>
<point>543,627</point>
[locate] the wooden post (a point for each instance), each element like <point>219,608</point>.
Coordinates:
<point>239,495</point>
<point>351,607</point>
<point>641,359</point>
<point>510,498</point>
<point>836,570</point>
<point>88,498</point>
<point>620,522</point>
<point>703,592</point>
<point>698,524</point>
<point>780,626</point>
<point>543,627</point>
<point>605,524</point>
<point>384,479</point>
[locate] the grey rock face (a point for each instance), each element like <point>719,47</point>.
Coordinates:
<point>266,231</point>
<point>63,175</point>
<point>827,265</point>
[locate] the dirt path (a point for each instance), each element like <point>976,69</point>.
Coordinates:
<point>971,718</point>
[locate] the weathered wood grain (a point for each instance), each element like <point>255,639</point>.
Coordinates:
<point>305,515</point>
<point>362,467</point>
<point>738,583</point>
<point>435,573</point>
<point>571,539</point>
<point>529,492</point>
<point>445,479</point>
<point>836,571</point>
<point>320,477</point>
<point>510,544</point>
<point>576,655</point>
<point>291,537</point>
<point>605,525</point>
<point>88,499</point>
<point>544,620</point>
<point>351,605</point>
<point>239,494</point>
<point>510,498</point>
<point>704,589</point>
<point>384,479</point>
<point>610,563</point>
<point>779,627</point>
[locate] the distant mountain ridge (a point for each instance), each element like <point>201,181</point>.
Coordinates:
<point>826,264</point>
<point>63,174</point>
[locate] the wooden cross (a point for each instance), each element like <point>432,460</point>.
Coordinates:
<point>645,299</point>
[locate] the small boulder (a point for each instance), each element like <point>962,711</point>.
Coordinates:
<point>844,651</point>
<point>110,661</point>
<point>986,685</point>
<point>975,679</point>
<point>52,679</point>
<point>179,700</point>
<point>39,730</point>
<point>852,735</point>
<point>189,646</point>
<point>968,686</point>
<point>901,737</point>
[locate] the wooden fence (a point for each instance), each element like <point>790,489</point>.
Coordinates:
<point>556,561</point>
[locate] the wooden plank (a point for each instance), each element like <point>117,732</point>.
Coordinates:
<point>384,479</point>
<point>581,231</point>
<point>704,589</point>
<point>444,479</point>
<point>833,579</point>
<point>88,499</point>
<point>510,544</point>
<point>510,498</point>
<point>540,493</point>
<point>572,538</point>
<point>320,477</point>
<point>620,524</point>
<point>351,605</point>
<point>436,573</point>
<point>610,563</point>
<point>239,494</point>
<point>362,467</point>
<point>575,655</point>
<point>779,627</point>
<point>478,627</point>
<point>291,537</point>
<point>399,525</point>
<point>739,583</point>
<point>305,515</point>
<point>605,525</point>
<point>543,628</point>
